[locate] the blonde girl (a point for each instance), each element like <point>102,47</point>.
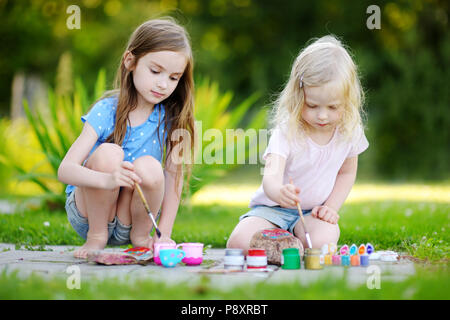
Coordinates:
<point>123,142</point>
<point>312,154</point>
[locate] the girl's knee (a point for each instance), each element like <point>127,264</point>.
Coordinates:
<point>106,158</point>
<point>234,241</point>
<point>329,233</point>
<point>150,171</point>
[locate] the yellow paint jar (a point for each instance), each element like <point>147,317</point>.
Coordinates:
<point>312,259</point>
<point>328,261</point>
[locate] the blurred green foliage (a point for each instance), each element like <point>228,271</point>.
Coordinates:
<point>248,46</point>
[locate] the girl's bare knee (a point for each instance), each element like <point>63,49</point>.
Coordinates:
<point>150,171</point>
<point>106,158</point>
<point>235,241</point>
<point>329,233</point>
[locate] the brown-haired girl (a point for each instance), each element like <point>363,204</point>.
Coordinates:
<point>123,142</point>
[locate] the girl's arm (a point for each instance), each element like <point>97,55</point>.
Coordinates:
<point>286,195</point>
<point>71,171</point>
<point>171,201</point>
<point>344,183</point>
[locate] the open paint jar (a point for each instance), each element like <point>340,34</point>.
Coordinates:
<point>256,259</point>
<point>290,258</point>
<point>312,259</point>
<point>234,259</point>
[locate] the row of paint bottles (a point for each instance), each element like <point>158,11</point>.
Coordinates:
<point>348,256</point>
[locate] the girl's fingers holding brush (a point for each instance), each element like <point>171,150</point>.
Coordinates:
<point>129,171</point>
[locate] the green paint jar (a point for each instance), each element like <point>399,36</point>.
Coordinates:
<point>290,259</point>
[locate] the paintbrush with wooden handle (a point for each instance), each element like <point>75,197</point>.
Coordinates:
<point>138,188</point>
<point>299,208</point>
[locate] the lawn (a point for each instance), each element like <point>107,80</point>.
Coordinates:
<point>416,224</point>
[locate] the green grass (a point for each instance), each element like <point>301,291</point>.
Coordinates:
<point>423,285</point>
<point>417,228</point>
<point>420,229</point>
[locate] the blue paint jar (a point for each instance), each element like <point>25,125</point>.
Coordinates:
<point>364,259</point>
<point>345,260</point>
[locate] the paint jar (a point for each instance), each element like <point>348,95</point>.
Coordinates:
<point>354,260</point>
<point>336,260</point>
<point>234,259</point>
<point>327,259</point>
<point>364,259</point>
<point>290,258</point>
<point>312,259</point>
<point>256,259</point>
<point>345,260</point>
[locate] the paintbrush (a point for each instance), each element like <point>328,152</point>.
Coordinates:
<point>138,188</point>
<point>308,239</point>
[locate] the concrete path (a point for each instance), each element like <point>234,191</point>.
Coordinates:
<point>55,261</point>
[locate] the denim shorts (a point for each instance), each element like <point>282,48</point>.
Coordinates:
<point>284,218</point>
<point>118,234</point>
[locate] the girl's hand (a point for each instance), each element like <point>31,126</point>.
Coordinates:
<point>288,196</point>
<point>124,176</point>
<point>326,214</point>
<point>164,238</point>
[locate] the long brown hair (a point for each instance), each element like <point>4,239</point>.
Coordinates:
<point>153,36</point>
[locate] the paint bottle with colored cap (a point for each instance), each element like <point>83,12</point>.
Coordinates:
<point>256,259</point>
<point>345,260</point>
<point>364,260</point>
<point>290,258</point>
<point>354,260</point>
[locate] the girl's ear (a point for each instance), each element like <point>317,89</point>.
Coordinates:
<point>128,60</point>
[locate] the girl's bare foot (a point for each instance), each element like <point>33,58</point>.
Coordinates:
<point>93,243</point>
<point>141,241</point>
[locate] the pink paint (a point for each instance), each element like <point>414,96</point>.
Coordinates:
<point>336,260</point>
<point>194,253</point>
<point>344,250</point>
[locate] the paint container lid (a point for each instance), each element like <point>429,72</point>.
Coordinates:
<point>312,252</point>
<point>256,252</point>
<point>291,251</point>
<point>344,249</point>
<point>369,248</point>
<point>332,248</point>
<point>234,252</point>
<point>362,249</point>
<point>325,249</point>
<point>353,250</point>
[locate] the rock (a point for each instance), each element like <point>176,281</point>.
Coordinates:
<point>274,241</point>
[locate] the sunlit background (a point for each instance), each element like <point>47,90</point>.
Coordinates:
<point>243,51</point>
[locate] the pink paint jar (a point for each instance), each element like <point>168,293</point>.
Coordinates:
<point>161,245</point>
<point>194,253</point>
<point>336,260</point>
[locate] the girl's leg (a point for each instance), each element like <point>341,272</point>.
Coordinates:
<point>321,232</point>
<point>150,171</point>
<point>244,231</point>
<point>98,205</point>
